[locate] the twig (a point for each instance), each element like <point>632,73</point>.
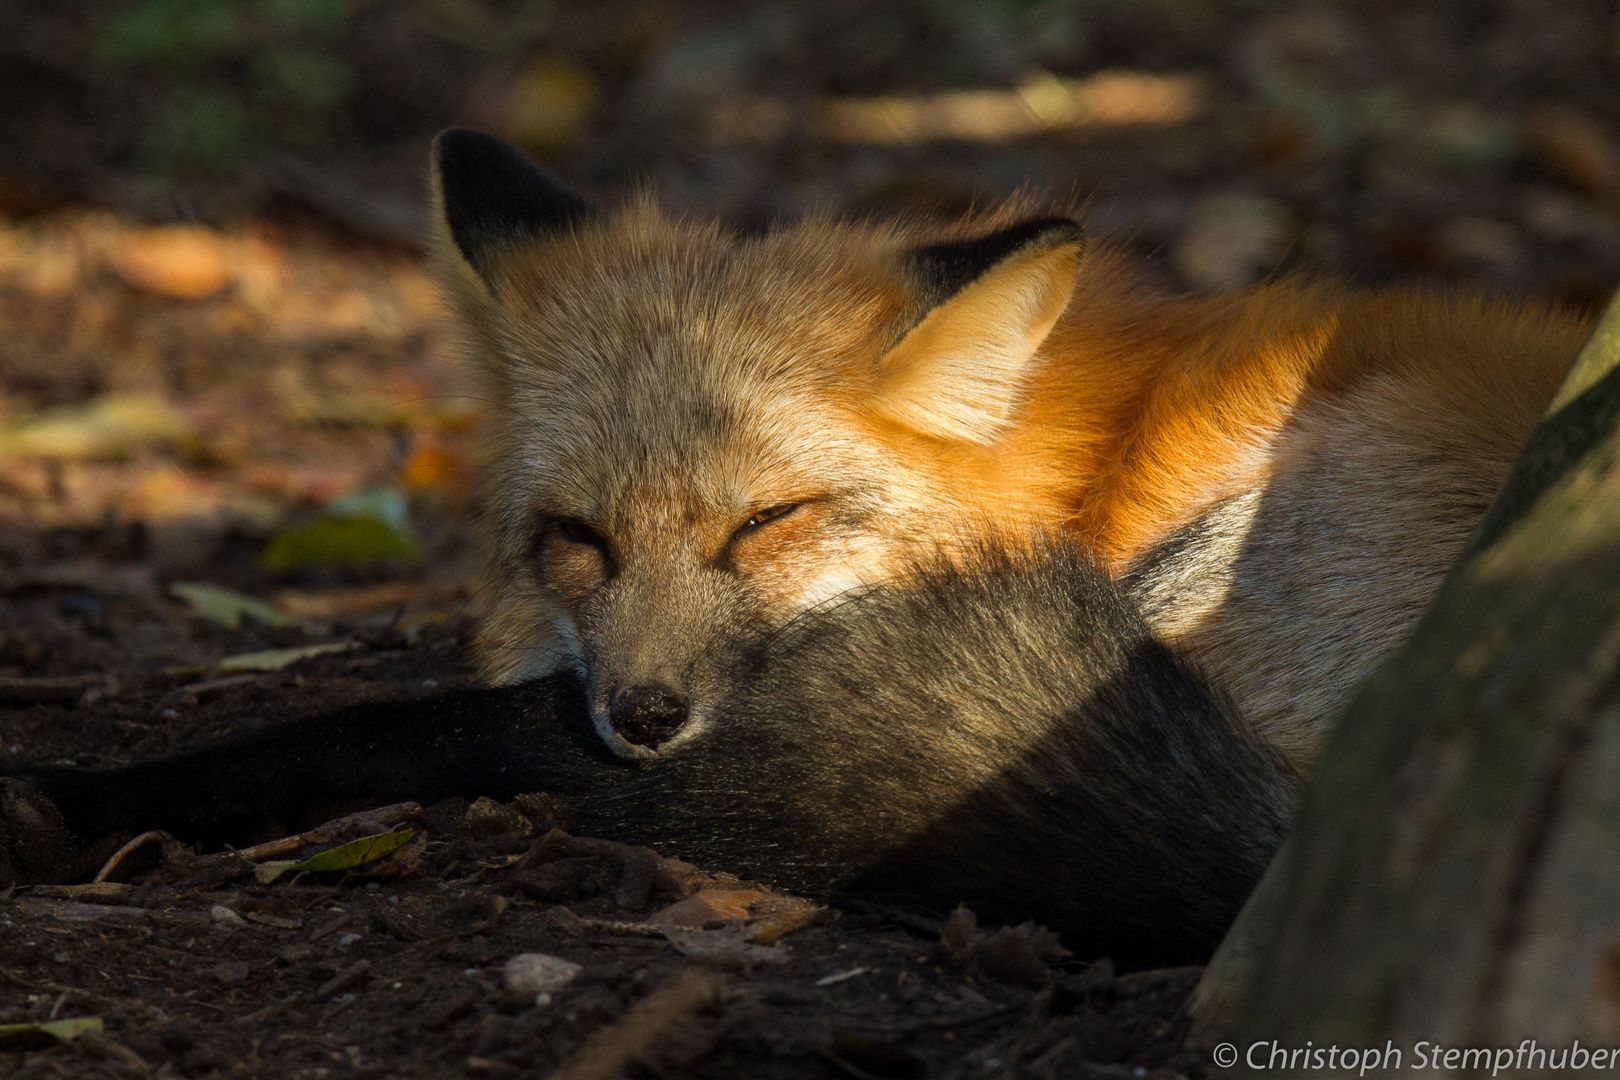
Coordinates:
<point>613,1047</point>
<point>567,920</point>
<point>111,866</point>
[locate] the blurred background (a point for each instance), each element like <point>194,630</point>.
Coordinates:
<point>226,397</point>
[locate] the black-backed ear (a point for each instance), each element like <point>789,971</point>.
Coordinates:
<point>491,195</point>
<point>943,270</point>
<point>959,373</point>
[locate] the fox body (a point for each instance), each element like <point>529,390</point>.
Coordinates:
<point>700,432</point>
<point>923,565</point>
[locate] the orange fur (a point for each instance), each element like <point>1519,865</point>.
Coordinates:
<point>1145,410</point>
<point>1282,473</point>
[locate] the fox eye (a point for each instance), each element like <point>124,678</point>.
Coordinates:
<point>577,532</point>
<point>763,517</point>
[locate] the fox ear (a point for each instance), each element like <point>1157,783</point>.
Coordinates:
<point>490,195</point>
<point>958,374</point>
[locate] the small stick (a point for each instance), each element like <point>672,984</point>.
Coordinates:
<point>111,866</point>
<point>613,1047</point>
<point>567,920</point>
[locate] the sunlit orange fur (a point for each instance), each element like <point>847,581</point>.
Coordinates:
<point>1138,414</point>
<point>1146,409</point>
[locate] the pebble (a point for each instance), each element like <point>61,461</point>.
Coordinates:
<point>224,918</point>
<point>533,974</point>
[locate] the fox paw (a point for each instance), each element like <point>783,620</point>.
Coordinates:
<point>35,844</point>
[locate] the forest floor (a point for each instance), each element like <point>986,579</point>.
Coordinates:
<point>237,459</point>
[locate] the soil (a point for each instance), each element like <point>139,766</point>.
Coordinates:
<point>416,960</point>
<point>204,344</point>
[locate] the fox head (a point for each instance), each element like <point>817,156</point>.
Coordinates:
<point>696,435</point>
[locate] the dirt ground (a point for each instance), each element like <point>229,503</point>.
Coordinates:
<point>232,423</point>
<point>348,974</point>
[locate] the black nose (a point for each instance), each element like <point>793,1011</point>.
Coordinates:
<point>648,715</point>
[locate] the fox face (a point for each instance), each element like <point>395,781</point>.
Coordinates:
<point>697,436</point>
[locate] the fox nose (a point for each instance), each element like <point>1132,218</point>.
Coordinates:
<point>648,715</point>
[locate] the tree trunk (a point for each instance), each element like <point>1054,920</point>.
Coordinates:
<point>1454,874</point>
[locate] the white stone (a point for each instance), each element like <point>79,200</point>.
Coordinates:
<point>531,974</point>
<point>225,918</point>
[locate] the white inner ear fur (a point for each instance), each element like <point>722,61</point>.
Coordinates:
<point>958,373</point>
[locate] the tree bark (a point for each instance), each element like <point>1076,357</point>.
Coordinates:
<point>1454,873</point>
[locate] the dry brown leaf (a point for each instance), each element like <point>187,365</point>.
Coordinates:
<point>184,262</point>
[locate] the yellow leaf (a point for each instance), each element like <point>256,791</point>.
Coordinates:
<point>276,659</point>
<point>23,1036</point>
<point>226,606</point>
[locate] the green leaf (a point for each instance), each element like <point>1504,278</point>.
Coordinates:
<point>30,1036</point>
<point>347,540</point>
<point>355,853</point>
<point>226,606</point>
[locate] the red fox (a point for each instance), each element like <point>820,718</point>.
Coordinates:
<point>700,431</point>
<point>918,564</point>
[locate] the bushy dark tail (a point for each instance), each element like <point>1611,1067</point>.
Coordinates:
<point>1012,737</point>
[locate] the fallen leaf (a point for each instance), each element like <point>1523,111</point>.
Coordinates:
<point>404,862</point>
<point>777,916</point>
<point>335,603</point>
<point>355,853</point>
<point>226,606</point>
<point>183,262</point>
<point>707,907</point>
<point>268,872</point>
<point>276,659</point>
<point>362,527</point>
<point>109,427</point>
<point>33,1036</point>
